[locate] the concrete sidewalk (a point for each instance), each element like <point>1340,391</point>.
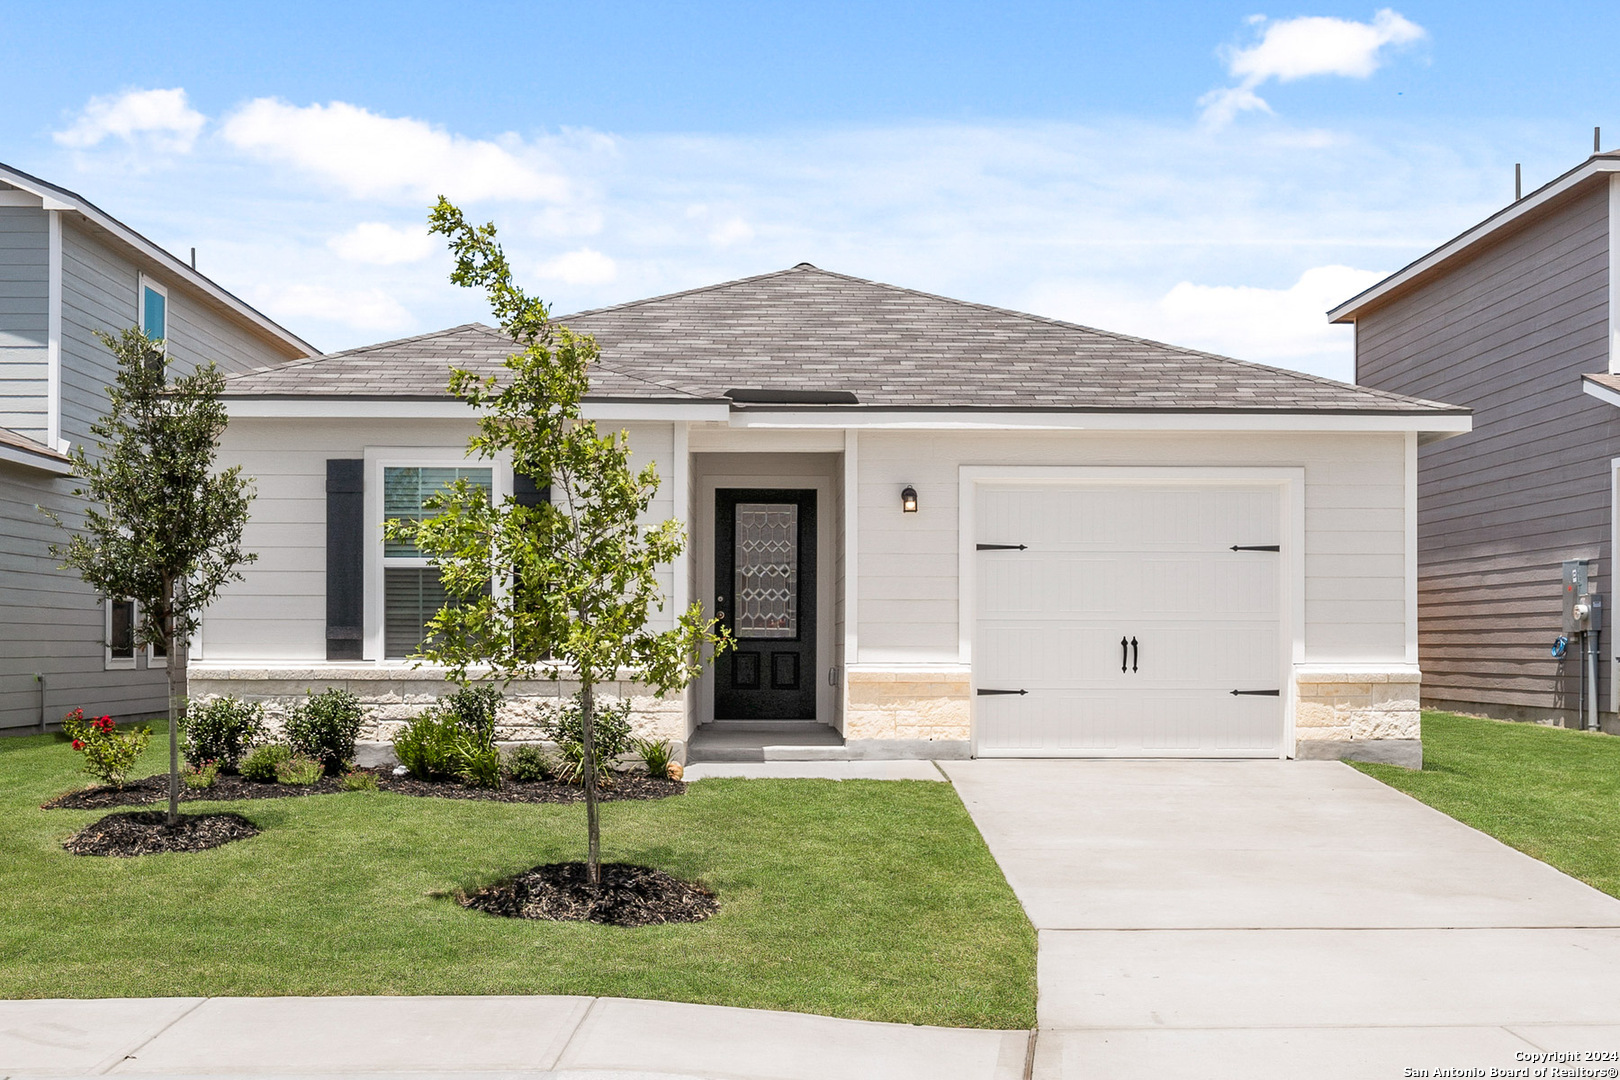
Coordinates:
<point>441,1037</point>
<point>1276,919</point>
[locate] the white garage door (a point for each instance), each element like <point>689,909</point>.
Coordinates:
<point>1117,619</point>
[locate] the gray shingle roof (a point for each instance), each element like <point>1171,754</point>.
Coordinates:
<point>810,329</point>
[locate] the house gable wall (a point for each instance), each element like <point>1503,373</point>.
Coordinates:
<point>1508,333</point>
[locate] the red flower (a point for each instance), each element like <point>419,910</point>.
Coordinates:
<point>78,744</point>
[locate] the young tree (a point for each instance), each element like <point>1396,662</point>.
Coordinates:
<point>162,528</point>
<point>568,586</point>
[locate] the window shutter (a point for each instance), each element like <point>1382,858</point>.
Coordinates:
<point>525,492</point>
<point>345,559</point>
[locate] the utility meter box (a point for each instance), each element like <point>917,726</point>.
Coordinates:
<point>1577,597</point>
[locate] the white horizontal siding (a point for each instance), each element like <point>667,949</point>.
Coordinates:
<point>1355,600</point>
<point>278,612</point>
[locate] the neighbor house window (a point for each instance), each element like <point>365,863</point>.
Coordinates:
<point>120,633</point>
<point>412,593</point>
<point>153,308</point>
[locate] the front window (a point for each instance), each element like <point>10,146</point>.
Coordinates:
<point>412,593</point>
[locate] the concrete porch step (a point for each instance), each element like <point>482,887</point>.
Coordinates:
<point>765,740</point>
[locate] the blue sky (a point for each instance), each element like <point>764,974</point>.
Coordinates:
<point>1210,174</point>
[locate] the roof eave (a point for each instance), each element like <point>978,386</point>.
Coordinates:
<point>1457,246</point>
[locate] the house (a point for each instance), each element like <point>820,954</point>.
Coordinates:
<point>1517,318</point>
<point>936,528</point>
<point>67,269</point>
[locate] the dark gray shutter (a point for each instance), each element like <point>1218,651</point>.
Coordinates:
<point>525,492</point>
<point>345,559</point>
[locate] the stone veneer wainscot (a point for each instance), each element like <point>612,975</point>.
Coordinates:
<point>1362,715</point>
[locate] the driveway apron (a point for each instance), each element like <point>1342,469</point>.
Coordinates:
<point>1264,919</point>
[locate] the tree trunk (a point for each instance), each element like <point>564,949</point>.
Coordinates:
<point>175,666</point>
<point>593,848</point>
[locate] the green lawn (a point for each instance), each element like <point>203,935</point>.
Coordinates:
<point>1550,792</point>
<point>865,899</point>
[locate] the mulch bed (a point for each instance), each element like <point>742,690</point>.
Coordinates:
<point>146,832</point>
<point>628,896</point>
<point>152,789</point>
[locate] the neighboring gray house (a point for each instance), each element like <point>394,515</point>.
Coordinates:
<point>67,270</point>
<point>936,527</point>
<point>1518,319</point>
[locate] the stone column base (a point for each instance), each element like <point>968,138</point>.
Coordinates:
<point>1359,713</point>
<point>908,713</point>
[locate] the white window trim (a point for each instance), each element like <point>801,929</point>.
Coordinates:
<point>142,284</point>
<point>109,661</point>
<point>427,457</point>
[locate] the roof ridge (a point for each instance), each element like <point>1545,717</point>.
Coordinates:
<point>799,268</point>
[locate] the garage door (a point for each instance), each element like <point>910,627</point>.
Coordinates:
<point>1128,620</point>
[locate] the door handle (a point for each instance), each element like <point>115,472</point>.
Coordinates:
<point>1133,655</point>
<point>1124,654</point>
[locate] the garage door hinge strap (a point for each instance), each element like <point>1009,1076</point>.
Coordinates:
<point>1256,547</point>
<point>1257,693</point>
<point>1001,547</point>
<point>982,692</point>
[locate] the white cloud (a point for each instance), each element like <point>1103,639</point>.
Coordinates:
<point>731,231</point>
<point>159,119</point>
<point>583,267</point>
<point>382,245</point>
<point>1291,49</point>
<point>371,156</point>
<point>372,310</point>
<point>1284,327</point>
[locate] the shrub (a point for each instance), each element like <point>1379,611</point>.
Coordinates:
<point>200,775</point>
<point>456,739</point>
<point>222,731</point>
<point>656,755</point>
<point>261,762</point>
<point>324,727</point>
<point>109,754</point>
<point>299,769</point>
<point>528,764</point>
<point>610,732</point>
<point>479,766</point>
<point>427,746</point>
<point>475,709</point>
<point>359,780</point>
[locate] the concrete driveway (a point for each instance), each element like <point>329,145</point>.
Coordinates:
<point>1286,919</point>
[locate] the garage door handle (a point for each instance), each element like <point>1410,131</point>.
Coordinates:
<point>1000,547</point>
<point>1124,654</point>
<point>982,692</point>
<point>1256,547</point>
<point>1133,654</point>
<point>1257,693</point>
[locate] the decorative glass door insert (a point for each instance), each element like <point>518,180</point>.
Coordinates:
<point>766,589</point>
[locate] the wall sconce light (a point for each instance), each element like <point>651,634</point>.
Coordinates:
<point>908,500</point>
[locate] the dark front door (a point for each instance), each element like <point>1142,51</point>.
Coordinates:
<point>765,593</point>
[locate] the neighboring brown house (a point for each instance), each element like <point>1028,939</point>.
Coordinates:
<point>1516,318</point>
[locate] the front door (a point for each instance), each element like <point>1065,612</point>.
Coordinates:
<point>765,594</point>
